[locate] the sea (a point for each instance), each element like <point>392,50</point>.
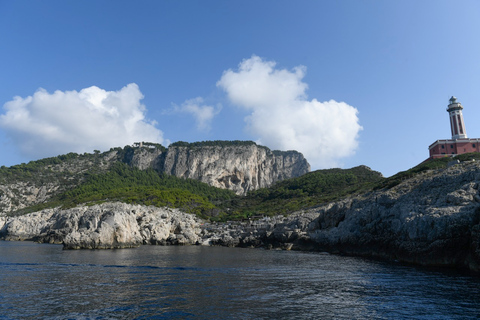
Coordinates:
<point>42,281</point>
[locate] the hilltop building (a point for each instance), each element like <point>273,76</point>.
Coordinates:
<point>459,143</point>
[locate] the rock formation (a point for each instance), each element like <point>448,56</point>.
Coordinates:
<point>240,168</point>
<point>432,219</point>
<point>105,226</point>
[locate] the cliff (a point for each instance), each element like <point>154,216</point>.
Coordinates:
<point>431,219</point>
<point>240,168</point>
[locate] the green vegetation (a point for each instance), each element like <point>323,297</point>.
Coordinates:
<point>148,187</point>
<point>309,190</point>
<point>39,171</point>
<point>435,164</point>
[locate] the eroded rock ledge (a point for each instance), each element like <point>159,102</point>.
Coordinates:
<point>105,226</point>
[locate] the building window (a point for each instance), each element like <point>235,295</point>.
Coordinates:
<point>443,147</point>
<point>473,145</point>
<point>451,146</point>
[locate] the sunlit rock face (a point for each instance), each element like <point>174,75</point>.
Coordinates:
<point>105,226</point>
<point>239,168</point>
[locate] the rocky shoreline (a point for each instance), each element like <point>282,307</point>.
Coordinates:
<point>432,219</point>
<point>119,225</point>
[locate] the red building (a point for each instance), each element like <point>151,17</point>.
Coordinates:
<point>459,143</point>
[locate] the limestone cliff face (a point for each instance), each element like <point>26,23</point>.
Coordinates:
<point>21,194</point>
<point>105,226</point>
<point>240,168</point>
<point>145,158</point>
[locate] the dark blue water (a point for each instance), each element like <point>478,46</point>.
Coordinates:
<point>41,281</point>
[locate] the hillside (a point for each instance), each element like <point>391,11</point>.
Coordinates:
<point>239,166</point>
<point>309,190</point>
<point>121,182</point>
<point>127,175</point>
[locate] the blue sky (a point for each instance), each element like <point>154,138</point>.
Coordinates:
<point>344,82</point>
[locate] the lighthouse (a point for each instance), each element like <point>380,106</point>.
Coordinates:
<point>459,143</point>
<point>457,124</point>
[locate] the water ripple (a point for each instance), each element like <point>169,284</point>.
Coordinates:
<point>154,282</point>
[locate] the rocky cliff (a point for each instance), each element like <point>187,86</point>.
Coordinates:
<point>240,168</point>
<point>105,226</point>
<point>431,219</point>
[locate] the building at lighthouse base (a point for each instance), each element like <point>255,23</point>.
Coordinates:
<point>452,147</point>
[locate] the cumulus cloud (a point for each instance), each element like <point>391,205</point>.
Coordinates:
<point>48,124</point>
<point>281,116</point>
<point>202,113</point>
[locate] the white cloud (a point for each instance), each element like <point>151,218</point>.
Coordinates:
<point>202,113</point>
<point>282,118</point>
<point>48,124</point>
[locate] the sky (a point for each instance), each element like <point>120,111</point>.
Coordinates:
<point>345,83</point>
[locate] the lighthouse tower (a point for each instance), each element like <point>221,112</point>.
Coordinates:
<point>459,143</point>
<point>457,124</point>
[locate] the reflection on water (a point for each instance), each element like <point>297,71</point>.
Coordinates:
<point>194,282</point>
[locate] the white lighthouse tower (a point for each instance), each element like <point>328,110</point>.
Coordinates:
<point>457,124</point>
